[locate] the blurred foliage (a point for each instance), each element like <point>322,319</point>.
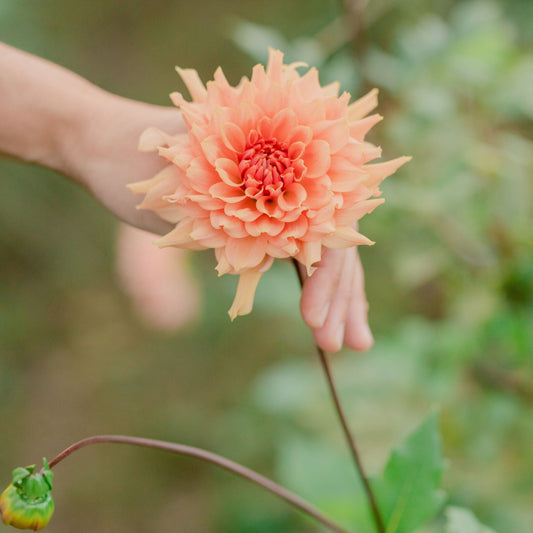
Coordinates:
<point>450,281</point>
<point>463,521</point>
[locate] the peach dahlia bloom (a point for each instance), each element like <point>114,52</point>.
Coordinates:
<point>275,167</point>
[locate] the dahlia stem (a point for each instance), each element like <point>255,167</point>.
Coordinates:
<point>209,457</point>
<point>376,514</point>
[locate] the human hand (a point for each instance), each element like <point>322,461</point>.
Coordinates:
<point>106,158</point>
<point>164,294</point>
<point>333,302</point>
<point>91,136</point>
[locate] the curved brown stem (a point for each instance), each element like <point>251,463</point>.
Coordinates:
<point>208,457</point>
<point>376,514</point>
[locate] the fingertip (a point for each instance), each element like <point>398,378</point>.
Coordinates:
<point>359,339</point>
<point>315,317</point>
<point>329,342</point>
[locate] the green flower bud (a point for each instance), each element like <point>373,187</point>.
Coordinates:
<point>27,503</point>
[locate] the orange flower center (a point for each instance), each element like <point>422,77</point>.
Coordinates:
<point>265,166</point>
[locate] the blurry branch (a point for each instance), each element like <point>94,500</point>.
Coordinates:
<point>369,491</point>
<point>208,457</point>
<point>451,232</point>
<point>353,22</point>
<point>354,14</point>
<point>496,378</point>
<point>333,36</point>
<point>466,247</point>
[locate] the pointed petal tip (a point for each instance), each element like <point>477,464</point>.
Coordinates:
<point>244,297</point>
<point>160,243</point>
<point>137,188</point>
<point>151,139</point>
<point>194,84</point>
<point>272,50</point>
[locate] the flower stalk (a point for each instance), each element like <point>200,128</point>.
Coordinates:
<point>372,501</point>
<point>209,457</point>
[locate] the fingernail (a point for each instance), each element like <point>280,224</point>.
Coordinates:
<point>323,315</point>
<point>339,337</point>
<point>366,335</point>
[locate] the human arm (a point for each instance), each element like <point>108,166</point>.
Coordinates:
<point>54,118</point>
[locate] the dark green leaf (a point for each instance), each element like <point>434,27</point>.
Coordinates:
<point>408,491</point>
<point>460,520</point>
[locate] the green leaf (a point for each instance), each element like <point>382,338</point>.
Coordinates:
<point>459,520</point>
<point>320,471</point>
<point>408,491</point>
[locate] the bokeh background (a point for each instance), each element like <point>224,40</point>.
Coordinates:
<point>450,280</point>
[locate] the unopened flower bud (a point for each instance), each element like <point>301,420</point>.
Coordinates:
<point>27,503</point>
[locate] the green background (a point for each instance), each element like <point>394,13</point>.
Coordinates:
<point>450,280</point>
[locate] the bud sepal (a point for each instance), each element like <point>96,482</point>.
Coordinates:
<point>27,502</point>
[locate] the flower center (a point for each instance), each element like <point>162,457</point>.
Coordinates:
<point>265,166</point>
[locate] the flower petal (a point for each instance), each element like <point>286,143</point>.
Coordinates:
<point>142,187</point>
<point>205,234</point>
<point>283,124</point>
<point>226,192</point>
<point>359,129</point>
<point>152,138</point>
<point>309,85</point>
<point>335,132</point>
<point>231,225</point>
<point>212,149</point>
<point>194,85</point>
<point>245,210</point>
<point>310,254</point>
<point>264,224</point>
<point>229,172</point>
<point>296,149</point>
<point>296,229</point>
<point>264,127</point>
<point>359,210</point>
<point>360,108</point>
<point>316,158</point>
<point>180,237</point>
<point>275,65</point>
<point>201,175</point>
<point>292,197</point>
<point>233,137</point>
<point>245,253</point>
<point>244,297</point>
<point>345,237</point>
<point>344,174</point>
<point>302,134</point>
<point>377,172</point>
<point>270,207</point>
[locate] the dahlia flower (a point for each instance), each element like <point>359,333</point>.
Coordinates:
<point>275,167</point>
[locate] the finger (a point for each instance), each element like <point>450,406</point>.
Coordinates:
<point>357,334</point>
<point>318,289</point>
<point>330,336</point>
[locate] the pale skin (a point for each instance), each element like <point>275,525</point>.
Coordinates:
<point>51,117</point>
